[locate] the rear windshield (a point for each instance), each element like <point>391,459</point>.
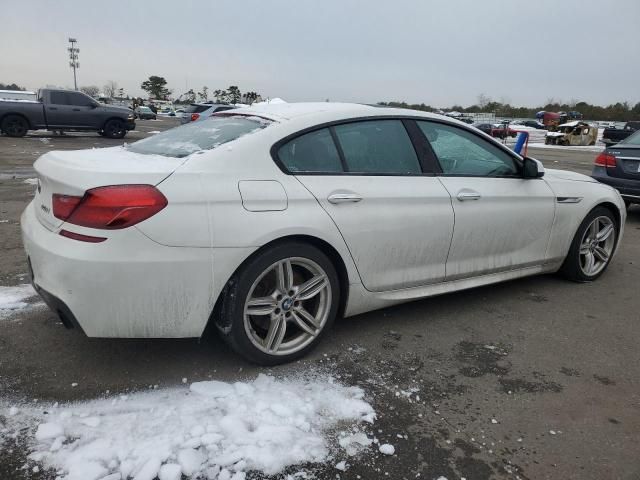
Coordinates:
<point>633,139</point>
<point>197,108</point>
<point>194,137</point>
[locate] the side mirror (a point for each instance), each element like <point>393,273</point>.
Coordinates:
<point>532,168</point>
<point>94,105</point>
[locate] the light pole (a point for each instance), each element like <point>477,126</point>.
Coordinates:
<point>73,59</point>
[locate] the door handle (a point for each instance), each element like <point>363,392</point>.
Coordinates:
<point>344,198</point>
<point>76,109</point>
<point>465,195</point>
<point>53,108</point>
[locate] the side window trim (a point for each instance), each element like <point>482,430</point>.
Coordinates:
<point>426,156</point>
<point>336,143</point>
<point>516,161</point>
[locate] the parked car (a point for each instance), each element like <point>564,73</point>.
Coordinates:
<point>64,110</point>
<point>496,130</point>
<point>145,113</point>
<point>272,221</point>
<point>619,166</point>
<point>528,123</point>
<point>574,133</point>
<point>611,136</point>
<point>200,111</point>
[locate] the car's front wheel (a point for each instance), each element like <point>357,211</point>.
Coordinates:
<point>592,247</point>
<point>280,304</point>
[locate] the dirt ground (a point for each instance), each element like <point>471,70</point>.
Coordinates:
<point>498,369</point>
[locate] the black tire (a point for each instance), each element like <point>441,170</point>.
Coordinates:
<point>114,128</point>
<point>229,314</point>
<point>15,126</point>
<point>571,268</point>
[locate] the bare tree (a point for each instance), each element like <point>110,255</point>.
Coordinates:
<point>91,90</point>
<point>110,89</point>
<point>204,94</point>
<point>483,100</point>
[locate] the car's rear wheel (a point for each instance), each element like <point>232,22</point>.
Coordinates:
<point>14,126</point>
<point>114,128</point>
<point>278,306</point>
<point>592,246</point>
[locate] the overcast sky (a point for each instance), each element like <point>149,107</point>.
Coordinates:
<point>440,52</point>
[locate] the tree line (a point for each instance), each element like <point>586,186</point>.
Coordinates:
<point>156,87</point>
<point>620,111</point>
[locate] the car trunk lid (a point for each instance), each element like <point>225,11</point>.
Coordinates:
<point>75,172</point>
<point>627,161</point>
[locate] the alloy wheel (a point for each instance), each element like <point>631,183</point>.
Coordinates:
<point>287,306</point>
<point>597,245</point>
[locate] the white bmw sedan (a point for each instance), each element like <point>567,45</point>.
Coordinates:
<point>271,221</point>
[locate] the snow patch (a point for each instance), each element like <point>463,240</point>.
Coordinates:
<point>14,299</point>
<point>387,449</point>
<point>212,429</point>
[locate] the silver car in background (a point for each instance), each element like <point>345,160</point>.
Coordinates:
<point>199,111</point>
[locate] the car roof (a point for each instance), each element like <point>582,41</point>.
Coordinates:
<point>318,112</point>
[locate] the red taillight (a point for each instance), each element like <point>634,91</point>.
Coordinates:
<point>195,116</point>
<point>114,207</point>
<point>606,160</point>
<point>63,205</point>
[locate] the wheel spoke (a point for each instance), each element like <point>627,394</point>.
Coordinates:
<point>589,260</point>
<point>311,287</point>
<point>593,229</point>
<point>260,306</point>
<point>604,233</point>
<point>284,273</point>
<point>601,254</point>
<point>306,321</point>
<point>275,335</point>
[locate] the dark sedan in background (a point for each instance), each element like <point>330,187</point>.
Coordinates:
<point>619,167</point>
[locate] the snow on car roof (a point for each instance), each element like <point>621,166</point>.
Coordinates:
<point>326,111</point>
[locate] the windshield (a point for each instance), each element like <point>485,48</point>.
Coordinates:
<point>194,137</point>
<point>633,139</point>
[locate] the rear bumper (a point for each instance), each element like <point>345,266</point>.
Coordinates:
<point>128,286</point>
<point>629,189</point>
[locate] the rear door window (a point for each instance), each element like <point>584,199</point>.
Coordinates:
<point>58,98</point>
<point>378,147</point>
<point>312,152</point>
<point>193,137</point>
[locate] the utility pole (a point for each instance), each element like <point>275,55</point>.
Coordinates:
<point>73,59</point>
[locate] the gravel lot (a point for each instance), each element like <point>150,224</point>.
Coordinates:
<point>498,368</point>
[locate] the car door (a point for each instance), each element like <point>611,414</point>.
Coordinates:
<point>396,220</point>
<point>502,220</point>
<point>71,110</point>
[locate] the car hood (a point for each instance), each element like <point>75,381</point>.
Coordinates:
<point>552,173</point>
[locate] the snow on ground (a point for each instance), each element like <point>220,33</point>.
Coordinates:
<point>14,299</point>
<point>211,430</point>
<point>30,181</point>
<point>588,148</point>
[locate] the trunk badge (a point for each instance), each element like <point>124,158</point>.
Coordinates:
<point>45,209</point>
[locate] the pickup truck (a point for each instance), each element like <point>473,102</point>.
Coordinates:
<point>64,110</point>
<point>611,136</point>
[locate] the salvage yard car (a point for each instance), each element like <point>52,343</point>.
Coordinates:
<point>61,110</point>
<point>619,167</point>
<point>613,135</point>
<point>574,133</point>
<point>269,222</point>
